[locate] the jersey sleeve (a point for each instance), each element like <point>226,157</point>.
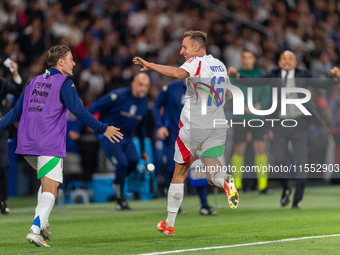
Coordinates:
<point>159,102</point>
<point>192,66</point>
<point>71,101</point>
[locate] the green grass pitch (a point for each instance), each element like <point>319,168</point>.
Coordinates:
<point>100,229</point>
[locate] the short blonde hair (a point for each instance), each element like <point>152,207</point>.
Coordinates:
<point>55,53</point>
<point>198,36</point>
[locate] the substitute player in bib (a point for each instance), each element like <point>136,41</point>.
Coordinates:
<point>206,79</point>
<point>43,108</point>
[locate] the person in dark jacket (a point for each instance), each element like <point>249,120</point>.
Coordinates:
<point>5,89</point>
<point>289,76</point>
<point>127,109</point>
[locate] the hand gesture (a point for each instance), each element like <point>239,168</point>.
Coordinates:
<point>112,134</point>
<point>73,135</point>
<point>335,72</point>
<point>145,156</point>
<point>232,72</point>
<point>14,65</point>
<point>162,133</point>
<point>142,62</point>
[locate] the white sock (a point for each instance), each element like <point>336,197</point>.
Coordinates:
<point>175,198</point>
<point>218,179</point>
<point>39,195</point>
<point>42,211</point>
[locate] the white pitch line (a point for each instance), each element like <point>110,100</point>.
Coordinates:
<point>238,245</point>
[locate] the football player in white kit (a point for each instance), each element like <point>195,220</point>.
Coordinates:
<point>202,129</point>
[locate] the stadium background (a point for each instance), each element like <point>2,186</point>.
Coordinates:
<point>105,35</point>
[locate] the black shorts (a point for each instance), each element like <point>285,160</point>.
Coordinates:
<point>257,133</point>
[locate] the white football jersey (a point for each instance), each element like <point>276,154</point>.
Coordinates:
<point>205,95</point>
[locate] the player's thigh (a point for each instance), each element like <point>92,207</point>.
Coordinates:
<point>49,166</point>
<point>183,148</point>
<point>114,152</point>
<point>214,145</point>
<point>130,151</point>
<point>169,152</point>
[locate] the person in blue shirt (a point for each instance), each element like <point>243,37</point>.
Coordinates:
<point>127,109</point>
<point>171,98</point>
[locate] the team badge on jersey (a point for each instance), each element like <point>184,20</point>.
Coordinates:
<point>133,109</point>
<point>113,96</point>
<point>182,99</point>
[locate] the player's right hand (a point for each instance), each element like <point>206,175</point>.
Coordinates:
<point>162,133</point>
<point>73,135</point>
<point>142,62</point>
<point>232,72</point>
<point>112,134</point>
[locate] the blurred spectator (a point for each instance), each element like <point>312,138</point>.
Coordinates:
<point>233,52</point>
<point>127,108</point>
<point>318,135</point>
<point>285,76</point>
<point>334,104</point>
<point>261,99</point>
<point>5,89</point>
<point>91,82</point>
<point>320,67</point>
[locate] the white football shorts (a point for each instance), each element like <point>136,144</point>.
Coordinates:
<point>191,143</point>
<point>49,166</point>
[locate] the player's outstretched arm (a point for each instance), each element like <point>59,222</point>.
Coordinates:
<point>112,133</point>
<point>170,71</point>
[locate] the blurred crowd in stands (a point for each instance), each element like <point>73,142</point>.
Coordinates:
<point>105,35</point>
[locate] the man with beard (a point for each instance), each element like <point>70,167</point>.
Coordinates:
<point>127,108</point>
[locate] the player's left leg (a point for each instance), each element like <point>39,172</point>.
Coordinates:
<point>175,198</point>
<point>212,148</point>
<point>222,180</point>
<point>182,159</point>
<point>132,158</point>
<point>169,152</point>
<point>49,171</point>
<point>45,229</point>
<point>115,153</point>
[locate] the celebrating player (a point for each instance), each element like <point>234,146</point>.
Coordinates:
<point>43,109</point>
<point>206,79</point>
